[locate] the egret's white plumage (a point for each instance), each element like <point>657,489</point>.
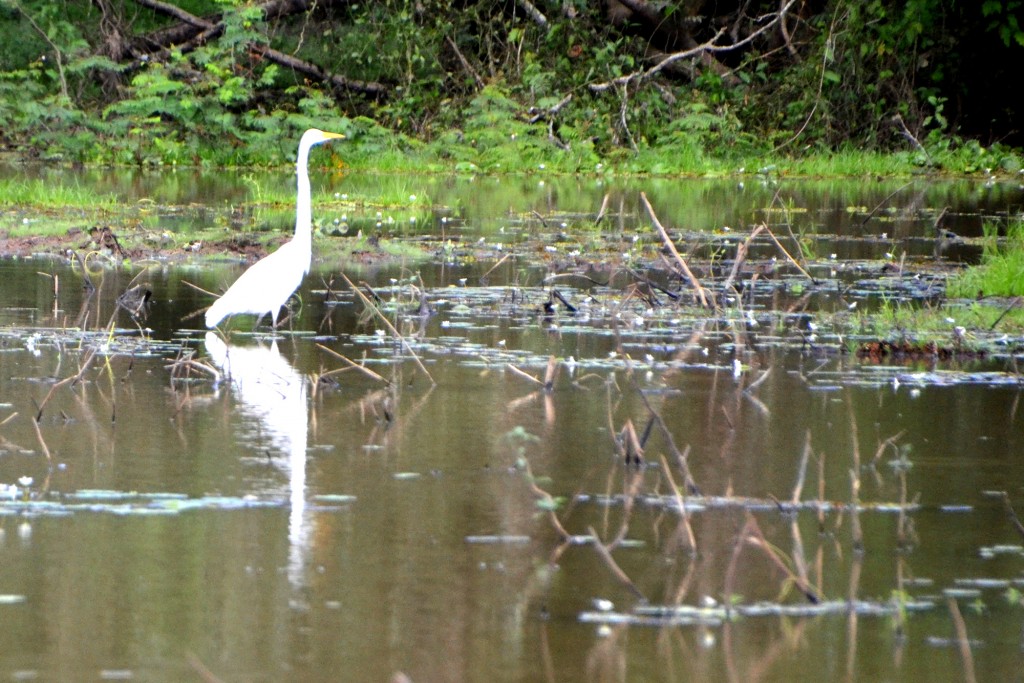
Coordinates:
<point>267,284</point>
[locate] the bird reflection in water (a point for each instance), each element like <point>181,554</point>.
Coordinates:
<point>270,392</point>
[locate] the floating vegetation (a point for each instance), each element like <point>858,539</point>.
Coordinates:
<point>687,615</point>
<point>142,504</point>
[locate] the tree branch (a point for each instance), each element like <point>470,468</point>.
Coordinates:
<point>708,47</point>
<point>200,30</point>
<point>534,13</point>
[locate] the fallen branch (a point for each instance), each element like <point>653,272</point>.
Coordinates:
<point>709,47</point>
<point>209,29</point>
<point>535,14</point>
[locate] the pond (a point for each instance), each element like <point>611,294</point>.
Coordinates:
<point>506,460</point>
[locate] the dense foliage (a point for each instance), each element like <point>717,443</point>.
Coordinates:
<point>567,85</point>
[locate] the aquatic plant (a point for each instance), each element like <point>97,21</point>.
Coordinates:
<point>1001,272</point>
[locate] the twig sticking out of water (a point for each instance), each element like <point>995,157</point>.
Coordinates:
<point>788,256</point>
<point>86,280</point>
<point>855,530</point>
<point>802,471</point>
<point>888,443</point>
<point>182,365</point>
<point>678,259</point>
<point>550,375</point>
<point>1015,303</point>
<point>755,537</point>
<point>201,669</point>
<point>549,502</point>
<point>628,445</point>
<point>605,554</point>
<point>603,209</point>
<point>42,442</point>
<point>352,365</point>
<point>391,328</point>
<point>483,278</point>
<point>691,540</point>
<point>886,201</point>
<point>966,657</point>
<point>72,380</point>
<point>1012,515</point>
<point>741,256</point>
<point>681,457</point>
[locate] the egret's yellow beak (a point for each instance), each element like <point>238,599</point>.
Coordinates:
<point>333,136</point>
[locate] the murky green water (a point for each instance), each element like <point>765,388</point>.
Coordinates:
<point>245,522</point>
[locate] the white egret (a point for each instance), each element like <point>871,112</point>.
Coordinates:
<point>267,284</point>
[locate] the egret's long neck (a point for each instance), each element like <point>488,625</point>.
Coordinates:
<point>303,210</point>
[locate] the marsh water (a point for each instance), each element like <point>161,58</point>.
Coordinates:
<point>676,494</point>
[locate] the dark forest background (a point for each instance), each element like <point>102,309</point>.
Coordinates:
<point>224,81</point>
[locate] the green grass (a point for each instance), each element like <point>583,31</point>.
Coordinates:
<point>1001,272</point>
<point>37,192</point>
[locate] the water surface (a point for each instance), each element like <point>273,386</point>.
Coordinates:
<point>265,518</point>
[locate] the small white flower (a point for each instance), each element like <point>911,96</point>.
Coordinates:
<point>25,481</point>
